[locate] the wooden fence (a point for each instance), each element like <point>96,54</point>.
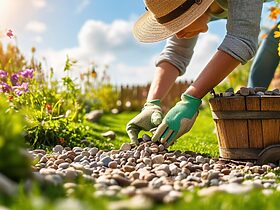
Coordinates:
<point>134,97</point>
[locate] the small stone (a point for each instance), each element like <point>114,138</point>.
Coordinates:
<point>166,188</point>
<point>139,183</point>
<point>228,94</point>
<point>70,174</point>
<point>146,138</point>
<point>109,134</point>
<point>147,161</point>
<point>161,148</point>
<point>125,147</point>
<point>85,154</point>
<point>94,116</point>
<point>128,168</point>
<point>93,151</point>
<point>161,173</point>
<point>276,92</point>
<point>199,159</point>
<point>251,91</point>
<point>260,93</point>
<point>78,158</point>
<point>225,171</point>
<point>63,165</point>
<point>134,175</point>
<point>206,167</point>
<point>113,164</point>
<point>155,194</point>
<point>157,159</point>
<point>213,175</point>
<point>260,89</point>
<point>106,160</point>
<point>270,175</point>
<point>268,92</point>
<point>174,170</point>
<point>58,149</point>
<point>122,181</point>
<point>244,91</point>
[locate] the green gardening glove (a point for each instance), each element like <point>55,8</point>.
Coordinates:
<point>148,118</point>
<point>178,120</point>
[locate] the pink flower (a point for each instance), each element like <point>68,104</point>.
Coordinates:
<point>10,33</point>
<point>3,74</point>
<point>19,90</point>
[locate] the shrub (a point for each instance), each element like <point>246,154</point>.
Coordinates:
<point>14,162</point>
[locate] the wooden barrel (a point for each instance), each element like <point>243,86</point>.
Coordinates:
<point>246,125</point>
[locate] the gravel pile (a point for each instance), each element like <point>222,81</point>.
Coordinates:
<point>246,91</point>
<point>151,171</point>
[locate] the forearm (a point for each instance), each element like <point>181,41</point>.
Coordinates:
<point>164,78</point>
<point>215,71</point>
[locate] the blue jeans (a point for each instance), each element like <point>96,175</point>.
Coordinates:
<point>265,62</point>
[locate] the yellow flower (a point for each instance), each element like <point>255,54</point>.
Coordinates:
<point>276,34</point>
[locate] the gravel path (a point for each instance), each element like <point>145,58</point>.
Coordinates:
<point>150,170</point>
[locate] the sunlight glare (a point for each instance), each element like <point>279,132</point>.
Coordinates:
<point>5,12</point>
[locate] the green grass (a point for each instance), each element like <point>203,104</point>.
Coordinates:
<point>83,198</point>
<point>201,138</point>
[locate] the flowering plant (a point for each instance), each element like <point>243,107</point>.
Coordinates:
<point>277,35</point>
<point>15,83</point>
<point>274,12</point>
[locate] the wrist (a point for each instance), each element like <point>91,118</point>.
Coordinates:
<point>191,99</point>
<point>154,101</point>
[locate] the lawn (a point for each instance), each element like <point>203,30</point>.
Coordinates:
<point>201,138</point>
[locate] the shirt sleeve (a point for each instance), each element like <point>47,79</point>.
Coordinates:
<point>178,52</point>
<point>243,27</point>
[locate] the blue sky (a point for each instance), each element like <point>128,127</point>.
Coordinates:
<point>96,31</point>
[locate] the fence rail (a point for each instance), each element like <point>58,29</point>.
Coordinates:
<point>134,97</point>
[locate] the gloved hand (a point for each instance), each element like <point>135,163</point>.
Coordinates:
<point>148,118</point>
<point>178,120</point>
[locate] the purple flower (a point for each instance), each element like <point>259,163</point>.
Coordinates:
<point>19,90</point>
<point>14,79</point>
<point>4,87</point>
<point>27,73</point>
<point>3,74</point>
<point>24,85</point>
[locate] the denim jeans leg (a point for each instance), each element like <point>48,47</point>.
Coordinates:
<point>265,62</point>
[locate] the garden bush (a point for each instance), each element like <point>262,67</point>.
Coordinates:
<point>14,161</point>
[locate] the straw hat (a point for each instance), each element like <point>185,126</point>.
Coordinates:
<point>167,17</point>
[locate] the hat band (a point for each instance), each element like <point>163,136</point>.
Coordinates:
<point>178,11</point>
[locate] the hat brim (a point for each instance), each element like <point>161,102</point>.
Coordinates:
<point>147,29</point>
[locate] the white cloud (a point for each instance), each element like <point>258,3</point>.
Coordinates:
<point>39,3</point>
<point>82,5</point>
<point>129,62</point>
<point>38,39</point>
<point>102,37</point>
<point>36,26</point>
